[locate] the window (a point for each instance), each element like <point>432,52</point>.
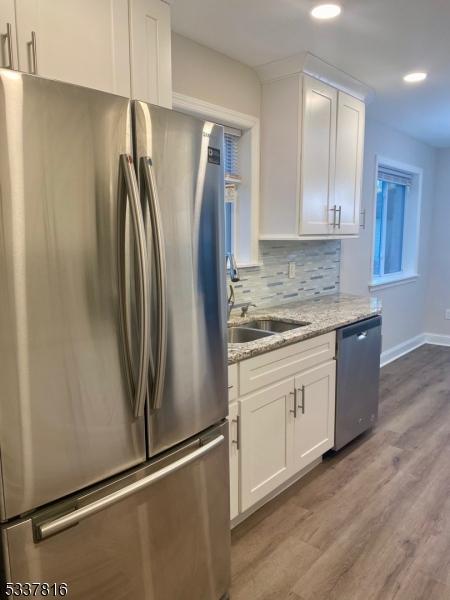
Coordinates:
<point>232,180</point>
<point>396,224</point>
<point>242,193</point>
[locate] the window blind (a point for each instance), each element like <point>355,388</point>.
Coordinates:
<point>392,175</point>
<point>231,151</point>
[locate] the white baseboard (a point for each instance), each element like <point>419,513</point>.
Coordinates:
<point>437,339</point>
<point>404,348</point>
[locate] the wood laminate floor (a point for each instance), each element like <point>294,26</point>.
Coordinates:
<point>371,522</point>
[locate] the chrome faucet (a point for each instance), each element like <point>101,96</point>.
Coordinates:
<point>234,273</point>
<point>245,307</point>
<point>231,300</point>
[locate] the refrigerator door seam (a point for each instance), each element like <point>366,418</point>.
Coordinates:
<point>151,194</point>
<point>128,188</point>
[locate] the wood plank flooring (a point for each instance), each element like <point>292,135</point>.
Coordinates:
<point>371,522</point>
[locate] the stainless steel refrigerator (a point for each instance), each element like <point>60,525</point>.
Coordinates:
<point>114,459</point>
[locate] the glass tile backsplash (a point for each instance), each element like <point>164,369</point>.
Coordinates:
<point>317,267</point>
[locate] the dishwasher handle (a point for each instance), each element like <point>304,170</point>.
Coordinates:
<point>360,329</point>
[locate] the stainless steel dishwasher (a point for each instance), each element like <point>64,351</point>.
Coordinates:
<point>357,379</point>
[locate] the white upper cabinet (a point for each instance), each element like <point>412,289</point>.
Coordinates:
<point>349,161</point>
<point>280,165</point>
<point>8,42</point>
<point>318,157</point>
<point>151,58</point>
<point>84,42</point>
<point>311,159</point>
<point>117,46</point>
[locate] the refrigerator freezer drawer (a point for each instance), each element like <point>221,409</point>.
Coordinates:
<point>159,533</point>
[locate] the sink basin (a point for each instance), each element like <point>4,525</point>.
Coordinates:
<point>274,326</point>
<point>242,335</point>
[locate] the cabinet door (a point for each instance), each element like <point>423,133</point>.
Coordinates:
<point>84,42</point>
<point>8,42</point>
<point>349,161</point>
<point>314,422</point>
<point>318,156</point>
<point>280,158</point>
<point>151,59</point>
<point>233,423</point>
<point>266,428</point>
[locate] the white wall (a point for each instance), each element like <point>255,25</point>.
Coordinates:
<point>203,73</point>
<point>438,298</point>
<point>404,306</point>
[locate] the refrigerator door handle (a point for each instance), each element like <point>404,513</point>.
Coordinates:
<point>151,194</point>
<point>128,188</point>
<point>43,530</point>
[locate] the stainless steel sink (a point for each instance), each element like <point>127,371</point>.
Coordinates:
<point>243,335</point>
<point>274,326</point>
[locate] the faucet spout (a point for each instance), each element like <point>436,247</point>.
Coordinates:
<point>234,272</point>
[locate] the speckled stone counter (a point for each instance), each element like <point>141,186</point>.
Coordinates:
<point>323,314</point>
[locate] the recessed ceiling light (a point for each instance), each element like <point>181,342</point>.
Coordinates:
<point>414,77</point>
<point>326,11</point>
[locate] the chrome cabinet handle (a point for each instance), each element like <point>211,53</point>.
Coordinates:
<point>362,335</point>
<point>339,210</point>
<point>302,406</point>
<point>128,189</point>
<point>363,220</point>
<point>8,37</point>
<point>34,53</point>
<point>294,412</point>
<point>45,529</point>
<point>334,210</point>
<point>237,441</point>
<point>230,387</point>
<point>151,194</point>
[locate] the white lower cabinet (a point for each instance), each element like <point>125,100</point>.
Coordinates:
<point>283,419</point>
<point>314,420</point>
<point>266,430</point>
<point>233,424</point>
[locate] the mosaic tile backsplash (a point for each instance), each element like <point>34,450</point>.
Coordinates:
<point>317,267</point>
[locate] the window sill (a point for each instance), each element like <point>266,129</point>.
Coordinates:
<point>248,265</point>
<point>387,282</point>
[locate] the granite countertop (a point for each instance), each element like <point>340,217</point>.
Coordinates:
<point>323,314</point>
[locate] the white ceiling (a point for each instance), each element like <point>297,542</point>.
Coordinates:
<point>376,41</point>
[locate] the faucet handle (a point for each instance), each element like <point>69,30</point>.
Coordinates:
<point>245,307</point>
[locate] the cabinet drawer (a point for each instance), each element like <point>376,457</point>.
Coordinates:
<point>279,364</point>
<point>232,383</point>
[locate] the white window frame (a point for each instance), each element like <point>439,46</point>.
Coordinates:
<point>246,213</point>
<point>411,232</point>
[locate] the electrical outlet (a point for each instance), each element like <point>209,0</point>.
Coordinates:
<point>447,313</point>
<point>291,271</point>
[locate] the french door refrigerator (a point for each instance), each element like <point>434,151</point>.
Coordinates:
<point>114,460</point>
